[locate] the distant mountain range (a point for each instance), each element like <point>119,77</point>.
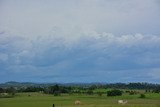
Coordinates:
<point>24,84</point>
<point>107,85</point>
<point>28,84</point>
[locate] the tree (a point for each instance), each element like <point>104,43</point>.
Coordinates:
<point>57,93</point>
<point>92,87</point>
<point>32,89</point>
<point>89,92</point>
<point>114,93</point>
<point>11,91</point>
<point>2,90</point>
<point>54,90</point>
<point>156,90</point>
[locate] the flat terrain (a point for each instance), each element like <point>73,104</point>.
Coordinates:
<point>65,100</point>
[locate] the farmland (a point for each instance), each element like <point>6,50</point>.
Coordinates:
<point>35,99</point>
<point>15,94</point>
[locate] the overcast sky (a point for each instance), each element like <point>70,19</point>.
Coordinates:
<point>80,40</point>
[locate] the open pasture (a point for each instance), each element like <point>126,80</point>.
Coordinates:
<point>65,100</point>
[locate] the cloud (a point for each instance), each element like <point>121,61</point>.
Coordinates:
<point>154,73</point>
<point>31,18</point>
<point>3,57</point>
<point>84,39</point>
<point>103,55</point>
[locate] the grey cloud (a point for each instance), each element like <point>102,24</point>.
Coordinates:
<point>70,37</point>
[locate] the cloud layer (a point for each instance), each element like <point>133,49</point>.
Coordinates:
<point>93,56</point>
<point>117,16</point>
<point>70,41</point>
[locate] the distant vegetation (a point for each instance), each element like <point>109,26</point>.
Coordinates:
<point>14,94</point>
<point>142,96</point>
<point>114,93</point>
<point>117,89</point>
<point>92,86</point>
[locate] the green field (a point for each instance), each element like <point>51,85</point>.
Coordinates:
<point>65,100</point>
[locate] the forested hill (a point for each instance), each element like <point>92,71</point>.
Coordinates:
<point>92,85</point>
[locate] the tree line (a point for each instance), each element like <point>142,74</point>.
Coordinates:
<point>85,89</point>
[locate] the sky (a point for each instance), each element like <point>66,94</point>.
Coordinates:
<point>82,41</point>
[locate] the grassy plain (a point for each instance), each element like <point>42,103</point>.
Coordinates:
<point>65,100</point>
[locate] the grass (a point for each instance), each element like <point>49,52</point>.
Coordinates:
<point>43,100</point>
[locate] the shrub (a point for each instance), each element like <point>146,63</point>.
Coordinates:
<point>114,93</point>
<point>142,96</point>
<point>89,92</point>
<point>132,92</point>
<point>157,90</point>
<point>6,95</point>
<point>100,93</point>
<point>57,93</point>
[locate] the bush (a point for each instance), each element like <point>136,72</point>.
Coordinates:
<point>6,95</point>
<point>57,93</point>
<point>142,96</point>
<point>100,93</point>
<point>89,92</point>
<point>157,90</point>
<point>114,93</point>
<point>132,92</point>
